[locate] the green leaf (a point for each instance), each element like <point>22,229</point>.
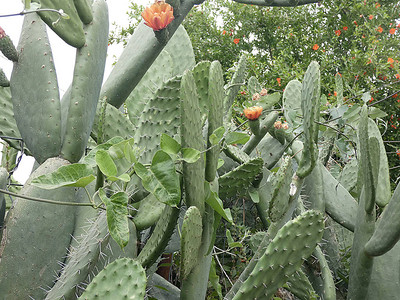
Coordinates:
<point>105,163</point>
<point>229,236</point>
<point>220,163</point>
<point>123,177</point>
<point>76,175</point>
<point>231,242</point>
<point>90,158</point>
<point>190,155</point>
<point>253,193</point>
<point>375,112</point>
<point>123,155</point>
<point>161,179</point>
<point>117,216</point>
<point>236,138</point>
<point>216,204</point>
<point>169,145</point>
<point>217,135</point>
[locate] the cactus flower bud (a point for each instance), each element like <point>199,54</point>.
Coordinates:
<point>253,113</point>
<point>285,126</point>
<point>7,47</point>
<point>278,125</point>
<point>256,97</point>
<point>158,15</point>
<point>263,92</point>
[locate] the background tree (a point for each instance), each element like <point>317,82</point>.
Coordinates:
<point>358,39</point>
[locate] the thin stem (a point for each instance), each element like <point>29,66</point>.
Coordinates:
<point>25,12</point>
<point>222,268</point>
<point>45,200</point>
<point>88,194</point>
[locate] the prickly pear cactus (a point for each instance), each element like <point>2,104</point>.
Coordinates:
<point>123,279</point>
<point>293,243</point>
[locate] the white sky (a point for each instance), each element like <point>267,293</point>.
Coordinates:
<point>64,55</point>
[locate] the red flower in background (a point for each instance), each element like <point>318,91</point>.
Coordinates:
<point>158,16</point>
<point>315,47</point>
<point>279,81</point>
<point>392,30</point>
<point>370,17</point>
<point>345,28</point>
<point>236,41</point>
<point>338,32</point>
<point>224,32</point>
<point>380,29</point>
<point>390,60</point>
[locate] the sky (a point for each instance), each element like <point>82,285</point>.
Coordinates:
<point>64,55</point>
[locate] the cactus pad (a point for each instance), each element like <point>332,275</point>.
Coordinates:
<point>122,279</point>
<point>293,243</point>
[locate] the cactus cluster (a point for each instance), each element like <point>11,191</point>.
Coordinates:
<point>116,189</point>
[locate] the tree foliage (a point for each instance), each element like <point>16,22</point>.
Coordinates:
<point>358,39</point>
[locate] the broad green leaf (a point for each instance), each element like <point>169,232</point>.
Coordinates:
<point>253,193</point>
<point>123,155</point>
<point>106,163</point>
<point>123,177</point>
<point>117,216</point>
<point>216,204</point>
<point>90,158</point>
<point>190,155</point>
<point>376,113</point>
<point>236,138</point>
<point>161,179</point>
<point>76,175</point>
<point>169,145</point>
<point>217,135</point>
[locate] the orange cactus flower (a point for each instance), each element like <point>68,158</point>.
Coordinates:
<point>390,60</point>
<point>224,32</point>
<point>279,81</point>
<point>392,30</point>
<point>253,113</point>
<point>236,41</point>
<point>370,17</point>
<point>380,29</point>
<point>345,28</point>
<point>338,32</point>
<point>158,16</point>
<point>397,76</point>
<point>315,47</point>
<point>335,93</point>
<point>377,5</point>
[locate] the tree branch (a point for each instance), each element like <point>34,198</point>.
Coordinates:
<point>279,3</point>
